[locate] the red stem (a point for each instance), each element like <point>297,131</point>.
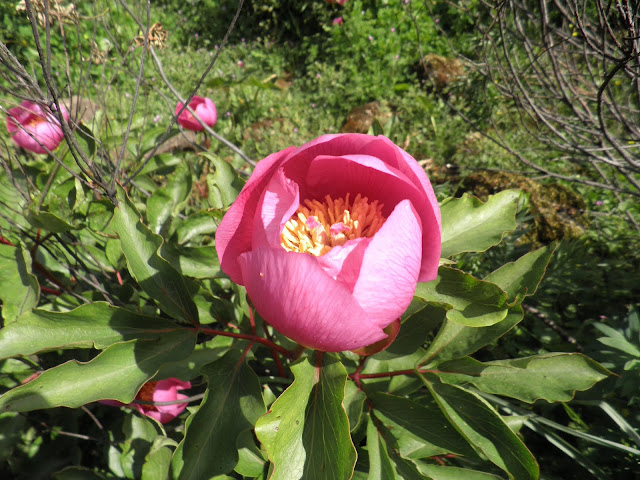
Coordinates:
<point>253,338</point>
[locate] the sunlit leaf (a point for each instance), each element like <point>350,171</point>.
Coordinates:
<point>19,289</point>
<point>117,374</point>
<point>152,272</point>
<point>306,432</point>
<point>551,377</point>
<point>468,225</point>
<point>468,301</point>
<point>224,184</point>
<point>95,325</point>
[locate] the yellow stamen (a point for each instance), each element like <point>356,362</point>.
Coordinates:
<point>317,226</point>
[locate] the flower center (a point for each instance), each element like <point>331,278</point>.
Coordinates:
<point>317,226</point>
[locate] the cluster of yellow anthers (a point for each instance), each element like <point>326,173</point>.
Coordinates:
<point>318,226</point>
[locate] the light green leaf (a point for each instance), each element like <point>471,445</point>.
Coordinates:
<point>232,404</point>
<point>251,461</point>
<point>552,377</point>
<point>484,429</point>
<point>19,289</point>
<point>77,473</point>
<point>524,275</point>
<point>468,225</point>
<point>117,374</point>
<point>195,262</point>
<point>455,340</point>
<point>201,223</point>
<point>617,340</point>
<point>224,184</point>
<point>468,301</point>
<point>95,325</point>
<point>156,466</point>
<point>152,272</point>
<point>414,424</point>
<point>306,432</point>
<point>165,201</point>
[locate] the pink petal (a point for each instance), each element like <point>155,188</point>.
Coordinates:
<point>376,179</point>
<point>343,263</point>
<point>390,266</point>
<point>293,294</point>
<point>279,202</point>
<point>233,236</point>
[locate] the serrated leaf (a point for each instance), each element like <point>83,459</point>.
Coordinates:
<point>468,225</point>
<point>115,374</point>
<point>95,325</point>
<point>428,426</point>
<point>455,340</point>
<point>232,404</point>
<point>551,377</point>
<point>152,272</point>
<point>484,429</point>
<point>19,289</point>
<point>468,301</point>
<point>306,432</point>
<point>524,275</point>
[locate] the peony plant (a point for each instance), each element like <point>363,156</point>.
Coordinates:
<point>351,218</point>
<point>34,127</point>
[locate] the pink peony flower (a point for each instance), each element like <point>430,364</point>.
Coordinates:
<point>331,238</point>
<point>204,108</point>
<point>337,21</point>
<point>35,128</point>
<point>161,391</point>
<point>339,2</point>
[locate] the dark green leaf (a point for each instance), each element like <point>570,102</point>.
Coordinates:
<point>380,465</point>
<point>201,223</point>
<point>440,472</point>
<point>19,289</point>
<point>468,225</point>
<point>468,301</point>
<point>306,432</point>
<point>427,427</point>
<point>552,377</point>
<point>96,325</point>
<point>485,430</point>
<point>232,404</point>
<point>47,221</point>
<point>117,374</point>
<point>152,272</point>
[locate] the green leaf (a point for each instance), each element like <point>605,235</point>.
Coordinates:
<point>47,221</point>
<point>77,473</point>
<point>484,429</point>
<point>376,129</point>
<point>439,472</point>
<point>552,377</point>
<point>95,325</point>
<point>165,201</point>
<point>306,432</point>
<point>455,340</point>
<point>201,223</point>
<point>161,164</point>
<point>468,301</point>
<point>152,272</point>
<point>156,466</point>
<point>380,465</point>
<point>251,461</point>
<point>117,374</point>
<point>412,423</point>
<point>523,276</point>
<point>232,404</point>
<point>224,184</point>
<point>617,340</point>
<point>19,289</point>
<point>196,262</point>
<point>468,225</point>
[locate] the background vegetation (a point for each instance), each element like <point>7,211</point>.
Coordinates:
<point>442,81</point>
